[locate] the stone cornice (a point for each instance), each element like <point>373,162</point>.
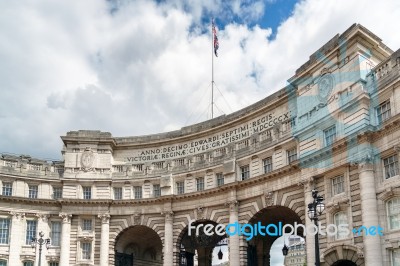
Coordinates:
<point>29,200</point>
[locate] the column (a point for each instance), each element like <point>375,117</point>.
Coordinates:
<point>369,214</point>
<point>16,238</point>
<point>234,252</point>
<point>105,238</point>
<point>310,240</point>
<point>168,239</point>
<point>65,238</point>
<point>42,226</point>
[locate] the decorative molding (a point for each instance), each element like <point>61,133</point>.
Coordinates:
<point>200,212</point>
<point>17,215</point>
<point>66,218</point>
<point>269,198</point>
<point>104,217</point>
<point>169,215</point>
<point>24,257</point>
<point>137,218</point>
<point>52,258</point>
<point>233,205</point>
<point>360,251</point>
<point>337,204</point>
<point>43,217</point>
<point>87,160</point>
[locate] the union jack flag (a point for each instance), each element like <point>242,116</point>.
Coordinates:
<point>215,37</point>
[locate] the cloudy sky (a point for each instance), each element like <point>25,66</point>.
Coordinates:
<point>142,67</point>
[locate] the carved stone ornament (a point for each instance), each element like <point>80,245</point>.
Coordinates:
<point>137,219</point>
<point>87,160</point>
<point>104,217</point>
<point>168,215</point>
<point>269,198</point>
<point>52,258</point>
<point>18,215</point>
<point>200,212</point>
<point>65,217</point>
<point>233,205</point>
<point>325,87</point>
<point>43,217</point>
<point>360,251</point>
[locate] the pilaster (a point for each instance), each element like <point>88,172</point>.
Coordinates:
<point>65,239</point>
<point>16,237</point>
<point>105,238</point>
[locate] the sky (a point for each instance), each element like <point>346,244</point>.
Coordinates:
<point>144,67</point>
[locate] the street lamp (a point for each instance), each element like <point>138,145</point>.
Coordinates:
<point>40,241</point>
<point>315,209</point>
<point>285,250</point>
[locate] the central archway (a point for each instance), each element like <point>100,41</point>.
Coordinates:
<point>344,263</point>
<point>138,245</point>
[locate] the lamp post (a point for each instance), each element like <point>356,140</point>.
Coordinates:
<point>315,209</point>
<point>40,241</point>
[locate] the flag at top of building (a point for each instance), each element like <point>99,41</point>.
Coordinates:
<point>215,37</point>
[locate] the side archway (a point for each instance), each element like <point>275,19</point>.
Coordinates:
<point>344,255</point>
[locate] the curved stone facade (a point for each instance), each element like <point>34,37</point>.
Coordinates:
<point>334,128</point>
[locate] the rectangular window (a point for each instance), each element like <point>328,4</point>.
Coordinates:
<point>292,155</point>
<point>4,230</point>
<point>180,187</point>
<point>87,192</point>
<point>340,218</point>
<point>393,210</point>
<point>391,166</point>
<point>55,234</point>
<point>118,193</point>
<point>57,192</point>
<point>31,227</point>
<point>86,250</point>
<point>87,225</point>
<point>220,179</point>
<point>337,185</point>
<point>28,263</point>
<point>33,192</point>
<point>395,257</point>
<point>267,163</point>
<point>53,263</point>
<point>200,184</point>
<point>138,192</point>
<point>156,191</point>
<point>383,111</point>
<point>330,135</point>
<point>7,189</point>
<point>245,172</point>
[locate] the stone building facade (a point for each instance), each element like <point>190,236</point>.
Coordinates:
<point>118,200</point>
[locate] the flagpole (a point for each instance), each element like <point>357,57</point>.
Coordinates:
<point>212,68</point>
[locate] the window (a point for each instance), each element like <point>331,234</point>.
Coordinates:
<point>4,230</point>
<point>31,226</point>
<point>138,192</point>
<point>54,263</point>
<point>383,111</point>
<point>55,234</point>
<point>156,191</point>
<point>86,250</point>
<point>292,155</point>
<point>330,135</point>
<point>57,192</point>
<point>200,184</point>
<point>391,166</point>
<point>118,168</point>
<point>33,192</point>
<point>340,218</point>
<point>87,225</point>
<point>3,263</point>
<point>245,172</point>
<point>267,163</point>
<point>7,189</point>
<point>180,187</point>
<point>87,192</point>
<point>337,185</point>
<point>220,179</point>
<point>118,193</point>
<point>395,257</point>
<point>393,210</point>
<point>28,263</point>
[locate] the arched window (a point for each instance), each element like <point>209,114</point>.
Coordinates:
<point>28,263</point>
<point>340,218</point>
<point>3,263</point>
<point>393,210</point>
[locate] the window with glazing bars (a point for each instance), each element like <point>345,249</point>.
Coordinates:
<point>4,230</point>
<point>292,155</point>
<point>33,192</point>
<point>391,166</point>
<point>180,187</point>
<point>245,172</point>
<point>156,191</point>
<point>383,111</point>
<point>118,193</point>
<point>87,192</point>
<point>55,234</point>
<point>31,227</point>
<point>337,185</point>
<point>7,189</point>
<point>87,224</point>
<point>267,163</point>
<point>220,179</point>
<point>138,192</point>
<point>86,250</point>
<point>57,192</point>
<point>330,135</point>
<point>200,183</point>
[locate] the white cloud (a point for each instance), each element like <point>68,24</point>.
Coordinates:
<point>146,67</point>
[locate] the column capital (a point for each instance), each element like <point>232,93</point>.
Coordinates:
<point>104,217</point>
<point>43,217</point>
<point>233,205</point>
<point>17,215</point>
<point>65,217</point>
<point>169,215</point>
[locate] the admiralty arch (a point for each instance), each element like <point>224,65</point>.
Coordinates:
<point>128,200</point>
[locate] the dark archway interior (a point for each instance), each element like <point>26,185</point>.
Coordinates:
<point>258,249</point>
<point>344,263</point>
<point>138,245</point>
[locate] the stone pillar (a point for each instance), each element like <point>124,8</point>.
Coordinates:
<point>234,241</point>
<point>65,239</point>
<point>16,238</point>
<point>42,226</point>
<point>168,239</point>
<point>310,240</point>
<point>369,213</point>
<point>105,238</point>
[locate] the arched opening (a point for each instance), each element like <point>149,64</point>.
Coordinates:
<point>273,217</point>
<point>344,263</point>
<point>138,245</point>
<point>199,248</point>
